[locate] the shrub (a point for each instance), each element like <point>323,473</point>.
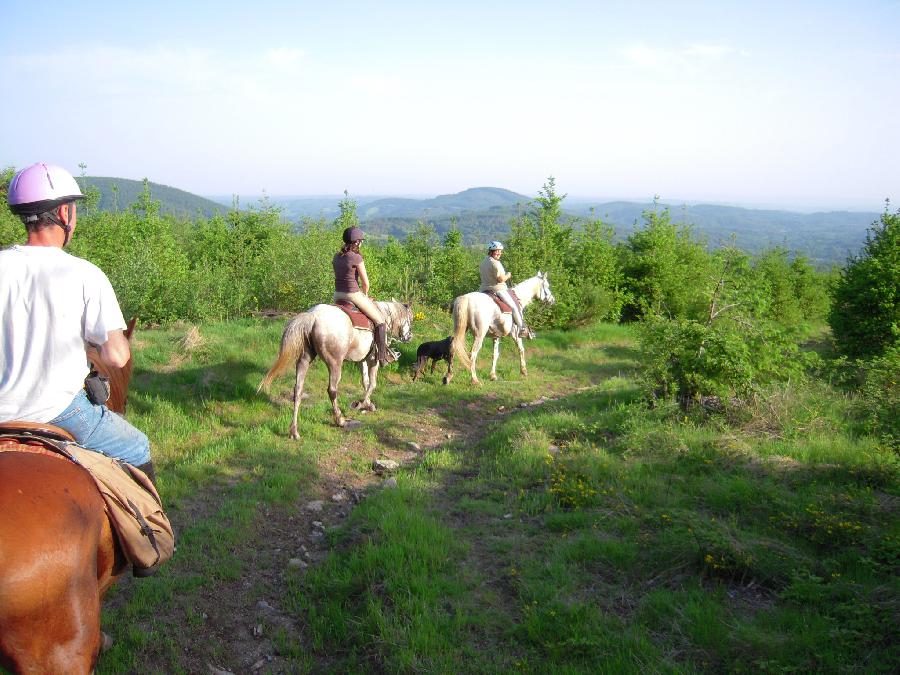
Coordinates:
<point>666,271</point>
<point>865,314</point>
<point>880,397</point>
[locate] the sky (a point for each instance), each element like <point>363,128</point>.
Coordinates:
<point>791,104</point>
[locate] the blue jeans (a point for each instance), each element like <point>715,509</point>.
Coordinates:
<point>98,428</point>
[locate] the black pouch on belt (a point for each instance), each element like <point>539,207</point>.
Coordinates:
<point>97,388</point>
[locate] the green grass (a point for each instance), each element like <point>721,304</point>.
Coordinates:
<point>764,539</point>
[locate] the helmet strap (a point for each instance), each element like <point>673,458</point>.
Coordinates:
<point>54,218</point>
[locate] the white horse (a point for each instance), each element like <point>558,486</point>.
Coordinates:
<point>480,315</point>
<point>326,331</point>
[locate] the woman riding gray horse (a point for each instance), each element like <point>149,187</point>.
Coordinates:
<point>352,283</point>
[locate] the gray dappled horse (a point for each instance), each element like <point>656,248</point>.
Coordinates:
<point>327,332</point>
<point>479,314</point>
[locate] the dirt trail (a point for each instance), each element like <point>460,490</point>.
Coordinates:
<point>236,626</point>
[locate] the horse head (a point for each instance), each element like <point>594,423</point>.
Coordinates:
<point>544,294</point>
<point>401,318</point>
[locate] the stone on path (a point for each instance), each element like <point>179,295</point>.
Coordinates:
<point>414,446</point>
<point>390,483</point>
<point>315,506</point>
<point>381,465</point>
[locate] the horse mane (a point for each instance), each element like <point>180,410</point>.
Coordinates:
<point>534,281</point>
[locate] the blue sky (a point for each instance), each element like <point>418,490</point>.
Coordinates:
<point>763,103</point>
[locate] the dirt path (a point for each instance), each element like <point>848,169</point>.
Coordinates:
<point>240,624</point>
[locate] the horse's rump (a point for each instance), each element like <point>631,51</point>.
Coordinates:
<point>58,556</point>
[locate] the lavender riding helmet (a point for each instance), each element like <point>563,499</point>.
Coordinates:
<point>39,188</point>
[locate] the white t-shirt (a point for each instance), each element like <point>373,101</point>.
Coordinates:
<point>51,303</point>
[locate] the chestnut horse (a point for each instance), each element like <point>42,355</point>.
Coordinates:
<point>58,555</point>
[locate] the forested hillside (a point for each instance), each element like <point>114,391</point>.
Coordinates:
<point>483,214</point>
<point>117,194</point>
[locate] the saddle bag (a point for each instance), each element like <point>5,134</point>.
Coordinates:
<point>133,506</point>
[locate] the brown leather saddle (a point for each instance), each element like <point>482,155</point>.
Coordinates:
<point>358,319</point>
<point>504,308</point>
<point>38,437</point>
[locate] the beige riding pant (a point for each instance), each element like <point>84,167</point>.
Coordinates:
<point>516,312</point>
<point>366,305</point>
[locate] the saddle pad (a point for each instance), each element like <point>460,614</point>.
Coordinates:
<point>359,320</point>
<point>504,308</point>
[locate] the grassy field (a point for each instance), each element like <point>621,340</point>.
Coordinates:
<point>548,523</point>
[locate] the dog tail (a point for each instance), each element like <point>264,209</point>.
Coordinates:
<point>460,324</point>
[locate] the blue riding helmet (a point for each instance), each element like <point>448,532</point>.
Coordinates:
<point>495,246</point>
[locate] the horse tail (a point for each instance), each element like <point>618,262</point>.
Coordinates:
<point>460,323</point>
<point>294,342</point>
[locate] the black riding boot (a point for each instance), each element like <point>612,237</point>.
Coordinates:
<point>148,469</point>
<point>385,355</point>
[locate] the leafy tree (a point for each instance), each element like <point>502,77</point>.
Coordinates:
<point>727,350</point>
<point>666,271</point>
<point>455,270</point>
<point>12,231</point>
<point>865,312</point>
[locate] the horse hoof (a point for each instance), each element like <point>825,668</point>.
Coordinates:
<point>355,404</point>
<point>493,377</point>
<point>295,435</point>
<point>341,422</point>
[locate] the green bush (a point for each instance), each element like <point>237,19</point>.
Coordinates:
<point>865,314</point>
<point>880,397</point>
<point>666,270</point>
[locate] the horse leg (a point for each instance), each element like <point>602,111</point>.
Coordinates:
<point>449,375</point>
<point>369,378</point>
<point>496,356</point>
<point>334,379</point>
<point>476,347</point>
<point>521,346</point>
<point>302,366</point>
<point>371,381</point>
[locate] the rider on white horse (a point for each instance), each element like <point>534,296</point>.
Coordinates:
<point>494,278</point>
<point>352,283</point>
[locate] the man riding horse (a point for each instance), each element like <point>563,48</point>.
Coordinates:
<point>494,278</point>
<point>54,305</point>
<point>352,283</point>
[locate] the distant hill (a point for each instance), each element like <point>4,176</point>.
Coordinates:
<point>484,213</point>
<point>172,200</point>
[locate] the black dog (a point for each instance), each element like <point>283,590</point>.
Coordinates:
<point>436,351</point>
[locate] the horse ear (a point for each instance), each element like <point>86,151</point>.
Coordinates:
<point>540,275</point>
